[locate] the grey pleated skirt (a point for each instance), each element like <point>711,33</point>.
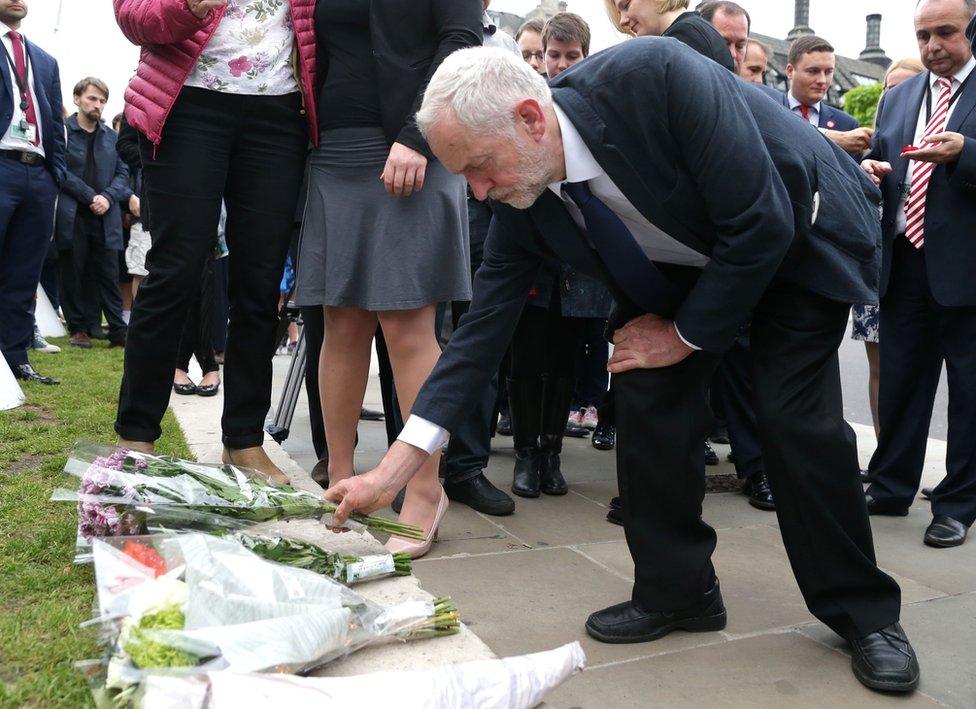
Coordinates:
<point>363,248</point>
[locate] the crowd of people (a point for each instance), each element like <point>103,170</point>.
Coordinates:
<point>366,162</point>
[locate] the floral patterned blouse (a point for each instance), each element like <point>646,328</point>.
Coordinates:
<point>250,52</point>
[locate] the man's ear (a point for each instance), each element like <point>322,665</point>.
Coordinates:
<point>790,70</point>
<point>530,114</point>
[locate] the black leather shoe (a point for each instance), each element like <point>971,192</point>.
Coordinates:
<point>185,389</point>
<point>208,389</point>
<point>945,532</point>
<point>927,492</point>
<point>711,457</point>
<point>720,434</point>
<point>757,489</point>
<point>370,415</point>
<point>27,373</point>
<point>886,509</point>
<point>573,430</point>
<point>615,515</point>
<point>525,479</point>
<point>604,437</point>
<point>504,426</point>
<point>867,477</point>
<point>479,494</point>
<point>616,504</point>
<point>885,660</point>
<point>629,623</point>
<point>551,480</point>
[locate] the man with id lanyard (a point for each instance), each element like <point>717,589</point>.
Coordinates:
<point>32,147</point>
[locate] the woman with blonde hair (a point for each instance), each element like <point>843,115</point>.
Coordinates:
<point>866,317</point>
<point>670,18</point>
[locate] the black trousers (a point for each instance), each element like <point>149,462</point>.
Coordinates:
<point>250,152</point>
<point>662,417</point>
<point>27,197</point>
<point>592,378</point>
<point>917,336</point>
<point>545,343</point>
<point>737,396</point>
<point>196,339</point>
<point>89,283</point>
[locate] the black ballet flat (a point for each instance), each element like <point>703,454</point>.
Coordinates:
<point>208,389</point>
<point>185,389</point>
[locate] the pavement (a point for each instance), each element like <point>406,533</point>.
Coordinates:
<point>527,582</point>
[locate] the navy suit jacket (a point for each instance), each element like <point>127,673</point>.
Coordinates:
<point>47,88</point>
<point>709,159</point>
<point>110,171</point>
<point>830,117</point>
<point>950,207</point>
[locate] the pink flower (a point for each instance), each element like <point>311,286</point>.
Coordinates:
<point>239,66</point>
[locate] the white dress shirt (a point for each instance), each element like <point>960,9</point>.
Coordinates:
<point>813,115</point>
<point>934,91</point>
<point>581,166</point>
<point>9,141</point>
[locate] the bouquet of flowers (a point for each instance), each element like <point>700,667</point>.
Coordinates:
<point>185,604</point>
<point>120,491</point>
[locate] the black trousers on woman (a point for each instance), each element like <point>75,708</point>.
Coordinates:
<point>249,151</point>
<point>197,339</point>
<point>811,462</point>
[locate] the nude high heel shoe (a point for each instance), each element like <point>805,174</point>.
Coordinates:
<point>418,549</point>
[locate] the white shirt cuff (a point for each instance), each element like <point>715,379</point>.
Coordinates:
<point>681,337</point>
<point>421,433</point>
<point>823,131</point>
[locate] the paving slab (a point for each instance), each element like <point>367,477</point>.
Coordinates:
<point>945,657</point>
<point>775,671</point>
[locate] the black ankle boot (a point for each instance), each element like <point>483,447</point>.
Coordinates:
<point>550,475</point>
<point>559,395</point>
<point>525,403</point>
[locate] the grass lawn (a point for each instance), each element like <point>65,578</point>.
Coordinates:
<point>43,596</point>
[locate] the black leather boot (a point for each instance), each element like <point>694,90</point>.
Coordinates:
<point>559,395</point>
<point>525,404</point>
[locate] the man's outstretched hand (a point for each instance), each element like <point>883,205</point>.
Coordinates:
<point>376,489</point>
<point>647,342</point>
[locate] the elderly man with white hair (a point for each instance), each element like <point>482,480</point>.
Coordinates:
<point>700,203</point>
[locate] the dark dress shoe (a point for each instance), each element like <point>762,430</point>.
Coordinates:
<point>208,389</point>
<point>525,478</point>
<point>629,623</point>
<point>574,430</point>
<point>479,494</point>
<point>616,504</point>
<point>604,437</point>
<point>80,339</point>
<point>185,389</point>
<point>757,489</point>
<point>945,532</point>
<point>504,426</point>
<point>28,374</point>
<point>867,477</point>
<point>885,660</point>
<point>711,457</point>
<point>927,492</point>
<point>116,343</point>
<point>886,509</point>
<point>720,434</point>
<point>370,415</point>
<point>615,515</point>
<point>97,333</point>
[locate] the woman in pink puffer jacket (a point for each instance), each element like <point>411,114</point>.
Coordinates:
<point>223,99</point>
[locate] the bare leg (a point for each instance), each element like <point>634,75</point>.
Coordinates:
<point>874,379</point>
<point>413,353</point>
<point>127,291</point>
<point>343,371</point>
<point>136,280</point>
<point>181,377</point>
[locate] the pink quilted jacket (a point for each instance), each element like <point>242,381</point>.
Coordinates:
<point>172,39</point>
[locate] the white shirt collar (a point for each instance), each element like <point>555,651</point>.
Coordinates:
<point>959,76</point>
<point>581,166</point>
<point>794,102</point>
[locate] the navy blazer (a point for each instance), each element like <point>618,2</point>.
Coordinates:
<point>950,207</point>
<point>75,194</point>
<point>47,89</point>
<point>709,159</point>
<point>830,117</point>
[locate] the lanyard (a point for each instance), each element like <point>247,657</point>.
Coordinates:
<point>952,100</point>
<point>21,85</point>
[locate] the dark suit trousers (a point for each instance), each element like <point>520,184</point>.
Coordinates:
<point>917,336</point>
<point>89,279</point>
<point>735,380</point>
<point>250,152</point>
<point>811,459</point>
<point>27,195</point>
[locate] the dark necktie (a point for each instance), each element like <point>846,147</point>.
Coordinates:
<point>632,270</point>
<point>20,64</point>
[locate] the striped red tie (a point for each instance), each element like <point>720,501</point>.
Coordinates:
<point>915,206</point>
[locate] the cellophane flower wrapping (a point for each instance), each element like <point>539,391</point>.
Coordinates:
<point>180,605</point>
